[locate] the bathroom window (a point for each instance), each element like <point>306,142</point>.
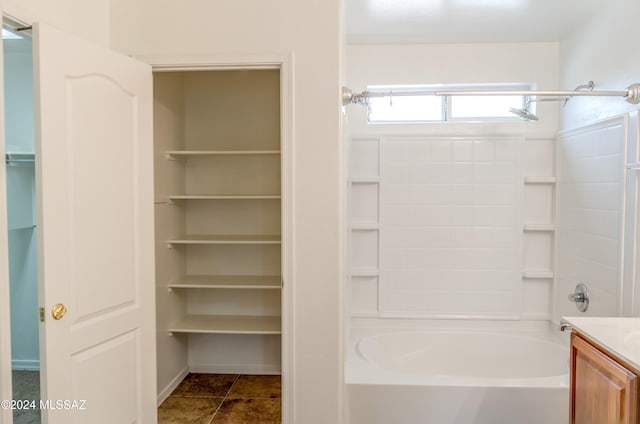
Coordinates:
<point>403,108</point>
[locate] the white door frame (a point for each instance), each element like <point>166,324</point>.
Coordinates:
<point>282,62</point>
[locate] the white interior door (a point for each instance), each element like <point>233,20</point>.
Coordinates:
<point>95,197</point>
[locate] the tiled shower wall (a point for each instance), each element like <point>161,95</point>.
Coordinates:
<point>591,187</point>
<point>464,253</point>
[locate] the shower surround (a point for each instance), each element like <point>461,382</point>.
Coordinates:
<point>450,209</point>
<point>451,227</point>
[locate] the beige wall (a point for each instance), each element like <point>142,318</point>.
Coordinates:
<point>308,30</point>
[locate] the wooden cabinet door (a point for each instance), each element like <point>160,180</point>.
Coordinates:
<point>602,390</point>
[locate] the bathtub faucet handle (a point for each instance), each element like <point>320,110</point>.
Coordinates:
<point>577,297</point>
<point>580,297</point>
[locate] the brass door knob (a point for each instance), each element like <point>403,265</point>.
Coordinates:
<point>58,311</point>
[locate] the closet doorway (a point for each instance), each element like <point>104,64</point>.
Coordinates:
<point>21,211</point>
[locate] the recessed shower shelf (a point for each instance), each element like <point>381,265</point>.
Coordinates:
<point>538,275</point>
<point>538,227</point>
<point>540,180</point>
<point>365,180</point>
<point>365,226</point>
<point>364,272</point>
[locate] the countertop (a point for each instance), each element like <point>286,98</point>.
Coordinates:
<point>620,336</point>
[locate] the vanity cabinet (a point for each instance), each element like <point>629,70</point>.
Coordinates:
<point>603,389</point>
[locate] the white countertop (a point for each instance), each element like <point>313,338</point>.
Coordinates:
<point>620,336</point>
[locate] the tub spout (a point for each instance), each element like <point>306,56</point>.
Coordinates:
<point>565,326</point>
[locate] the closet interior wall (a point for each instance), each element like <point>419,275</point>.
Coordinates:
<point>218,217</point>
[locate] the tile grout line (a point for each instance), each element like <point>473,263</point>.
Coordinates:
<point>226,395</point>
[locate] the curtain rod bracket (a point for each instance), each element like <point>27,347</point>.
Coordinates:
<point>348,97</point>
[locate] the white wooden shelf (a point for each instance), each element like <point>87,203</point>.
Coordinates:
<point>539,228</point>
<point>20,158</point>
<point>364,272</point>
<point>365,180</point>
<point>365,226</point>
<point>224,197</point>
<point>226,239</point>
<point>537,274</point>
<point>246,282</point>
<point>188,153</point>
<point>227,324</point>
<point>540,180</point>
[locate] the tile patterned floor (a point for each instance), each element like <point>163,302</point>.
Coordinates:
<point>223,399</point>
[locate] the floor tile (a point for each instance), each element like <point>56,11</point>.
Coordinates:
<point>248,411</point>
<point>187,410</point>
<point>256,386</point>
<point>26,416</point>
<point>26,385</point>
<point>205,385</point>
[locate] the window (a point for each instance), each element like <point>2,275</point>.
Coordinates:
<point>409,108</point>
<point>10,35</point>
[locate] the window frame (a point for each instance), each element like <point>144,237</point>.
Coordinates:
<point>446,102</point>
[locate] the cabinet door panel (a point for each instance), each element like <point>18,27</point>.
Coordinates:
<point>602,391</point>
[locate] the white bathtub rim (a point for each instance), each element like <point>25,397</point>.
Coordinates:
<point>358,370</point>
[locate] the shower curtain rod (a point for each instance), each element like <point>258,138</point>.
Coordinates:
<point>631,94</point>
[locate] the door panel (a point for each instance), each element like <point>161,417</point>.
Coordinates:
<point>97,364</point>
<point>95,196</point>
<point>100,142</point>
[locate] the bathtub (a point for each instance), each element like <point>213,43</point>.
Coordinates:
<point>456,372</point>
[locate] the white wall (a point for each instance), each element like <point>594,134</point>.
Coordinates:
<point>310,31</point>
<point>530,293</point>
<point>602,51</point>
<point>589,212</point>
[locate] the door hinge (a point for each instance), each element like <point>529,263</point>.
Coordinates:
<point>41,313</point>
